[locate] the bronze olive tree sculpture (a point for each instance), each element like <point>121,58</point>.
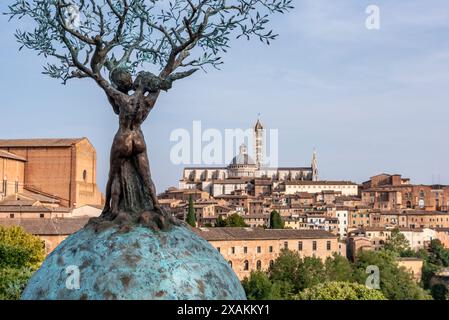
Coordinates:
<point>116,43</point>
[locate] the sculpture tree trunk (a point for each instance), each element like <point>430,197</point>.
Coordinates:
<point>130,192</point>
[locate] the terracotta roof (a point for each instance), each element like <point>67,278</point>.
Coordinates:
<point>40,209</point>
<point>25,143</point>
<point>35,194</point>
<point>256,216</point>
<point>229,233</point>
<point>56,226</point>
<point>29,196</point>
<point>20,202</point>
<point>9,155</point>
<point>414,212</point>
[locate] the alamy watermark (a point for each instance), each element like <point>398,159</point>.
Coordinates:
<point>72,281</point>
<point>373,280</point>
<point>372,22</point>
<point>212,147</point>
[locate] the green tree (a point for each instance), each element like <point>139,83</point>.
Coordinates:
<point>340,291</point>
<point>396,283</point>
<point>235,220</point>
<point>285,267</point>
<point>397,243</point>
<point>20,255</point>
<point>436,257</point>
<point>338,268</point>
<point>440,292</point>
<point>13,282</point>
<point>220,222</point>
<point>259,287</point>
<point>289,267</point>
<point>438,254</point>
<point>191,215</point>
<point>311,272</point>
<point>20,249</point>
<point>276,221</point>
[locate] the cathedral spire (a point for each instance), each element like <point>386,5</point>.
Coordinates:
<point>314,166</point>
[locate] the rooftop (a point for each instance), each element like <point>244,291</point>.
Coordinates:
<point>56,226</point>
<point>229,233</point>
<point>9,155</point>
<point>25,143</point>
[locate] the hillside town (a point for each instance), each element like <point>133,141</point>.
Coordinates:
<point>49,188</point>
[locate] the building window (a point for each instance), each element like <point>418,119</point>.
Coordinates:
<point>218,249</point>
<point>270,249</point>
<point>245,249</point>
<point>85,176</point>
<point>16,187</point>
<point>259,249</point>
<point>259,265</point>
<point>230,263</point>
<point>233,250</point>
<point>285,245</point>
<point>41,215</point>
<point>11,215</point>
<point>271,263</point>
<point>5,186</point>
<point>314,245</point>
<point>328,246</point>
<point>246,265</point>
<point>300,246</point>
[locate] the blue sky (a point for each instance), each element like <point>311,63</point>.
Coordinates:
<point>369,101</point>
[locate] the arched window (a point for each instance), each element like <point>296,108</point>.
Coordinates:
<point>246,265</point>
<point>259,265</point>
<point>230,263</point>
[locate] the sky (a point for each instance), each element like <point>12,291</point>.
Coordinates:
<point>368,101</point>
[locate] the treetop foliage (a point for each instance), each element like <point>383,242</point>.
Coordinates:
<point>85,38</point>
<point>20,249</point>
<point>21,254</point>
<point>340,291</point>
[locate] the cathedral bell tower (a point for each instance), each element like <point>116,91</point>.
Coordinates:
<point>258,144</point>
<point>314,166</point>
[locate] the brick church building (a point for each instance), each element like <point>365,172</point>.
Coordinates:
<point>60,169</point>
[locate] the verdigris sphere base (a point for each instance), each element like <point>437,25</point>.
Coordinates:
<point>140,264</point>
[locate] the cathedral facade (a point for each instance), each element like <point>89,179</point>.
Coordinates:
<point>244,170</point>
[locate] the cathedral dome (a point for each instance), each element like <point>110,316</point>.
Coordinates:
<point>242,158</point>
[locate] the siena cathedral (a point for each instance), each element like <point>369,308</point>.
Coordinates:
<point>245,170</point>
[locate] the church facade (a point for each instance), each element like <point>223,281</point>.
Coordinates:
<point>244,170</point>
<point>63,170</point>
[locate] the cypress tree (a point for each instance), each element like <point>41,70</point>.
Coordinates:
<point>191,216</point>
<point>276,220</point>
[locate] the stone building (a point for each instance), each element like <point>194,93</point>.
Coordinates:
<point>410,219</point>
<point>417,238</point>
<point>63,169</point>
<point>249,249</point>
<point>392,192</point>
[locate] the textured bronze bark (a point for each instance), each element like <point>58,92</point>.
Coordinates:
<point>130,192</point>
